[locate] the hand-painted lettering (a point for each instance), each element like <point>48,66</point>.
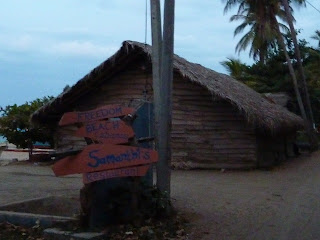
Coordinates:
<point>146,156</point>
<point>95,158</point>
<point>122,172</point>
<point>112,158</point>
<point>109,111</point>
<point>89,128</point>
<point>113,132</point>
<point>99,114</point>
<point>99,157</point>
<point>116,124</point>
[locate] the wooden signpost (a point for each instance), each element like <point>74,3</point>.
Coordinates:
<point>108,111</point>
<point>106,160</point>
<point>98,157</point>
<point>138,171</point>
<point>113,132</point>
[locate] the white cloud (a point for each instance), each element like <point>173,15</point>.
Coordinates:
<point>86,48</point>
<point>59,30</point>
<point>17,43</point>
<point>184,38</point>
<point>24,42</point>
<point>41,44</point>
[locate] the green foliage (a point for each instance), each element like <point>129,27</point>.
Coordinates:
<point>316,36</point>
<point>273,76</point>
<point>15,125</point>
<point>259,18</point>
<point>235,68</point>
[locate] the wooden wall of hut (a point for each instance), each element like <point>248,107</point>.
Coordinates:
<point>272,150</point>
<point>206,132</point>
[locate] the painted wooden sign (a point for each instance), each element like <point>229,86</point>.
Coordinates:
<point>138,171</point>
<point>113,132</point>
<point>99,157</point>
<point>108,111</point>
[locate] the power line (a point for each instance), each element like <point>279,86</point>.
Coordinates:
<point>313,6</point>
<point>146,24</point>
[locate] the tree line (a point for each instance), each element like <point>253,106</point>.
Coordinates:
<point>273,42</point>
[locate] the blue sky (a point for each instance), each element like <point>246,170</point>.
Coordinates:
<point>45,45</point>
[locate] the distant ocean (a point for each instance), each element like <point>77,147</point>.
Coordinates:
<point>2,139</point>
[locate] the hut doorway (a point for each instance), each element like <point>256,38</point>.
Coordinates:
<point>143,126</point>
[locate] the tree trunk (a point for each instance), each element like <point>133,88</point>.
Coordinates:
<point>30,149</point>
<point>299,61</point>
<point>308,127</point>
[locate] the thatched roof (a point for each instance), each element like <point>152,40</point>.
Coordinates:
<point>280,98</point>
<point>258,110</point>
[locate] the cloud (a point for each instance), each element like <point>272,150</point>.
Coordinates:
<point>184,38</point>
<point>35,44</point>
<point>60,31</point>
<point>85,48</point>
<point>24,42</point>
<point>17,43</point>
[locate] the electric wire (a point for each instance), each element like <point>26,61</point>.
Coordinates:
<point>313,6</point>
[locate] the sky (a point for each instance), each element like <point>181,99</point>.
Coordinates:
<point>46,45</point>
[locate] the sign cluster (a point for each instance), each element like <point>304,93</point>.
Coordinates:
<point>106,159</point>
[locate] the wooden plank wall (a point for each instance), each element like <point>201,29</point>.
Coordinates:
<point>125,88</point>
<point>208,133</point>
<point>205,134</point>
<point>271,150</point>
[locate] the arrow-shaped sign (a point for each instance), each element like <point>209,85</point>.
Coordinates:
<point>99,157</point>
<point>138,171</point>
<point>113,132</point>
<point>108,111</point>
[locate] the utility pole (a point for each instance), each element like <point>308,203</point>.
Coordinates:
<point>156,66</point>
<point>162,65</point>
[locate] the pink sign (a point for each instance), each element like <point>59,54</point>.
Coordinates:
<point>108,111</point>
<point>100,157</point>
<point>113,132</point>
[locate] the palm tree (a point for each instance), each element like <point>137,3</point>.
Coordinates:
<point>310,118</point>
<point>261,35</point>
<point>316,36</point>
<point>264,13</point>
<point>235,68</point>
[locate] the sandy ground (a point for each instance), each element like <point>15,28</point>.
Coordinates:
<point>279,204</point>
<point>8,156</point>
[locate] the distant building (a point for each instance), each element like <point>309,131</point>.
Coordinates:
<point>218,122</point>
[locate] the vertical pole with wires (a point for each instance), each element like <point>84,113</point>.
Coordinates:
<point>162,65</point>
<point>156,73</point>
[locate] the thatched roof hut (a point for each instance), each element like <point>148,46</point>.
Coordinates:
<point>280,98</point>
<point>257,113</point>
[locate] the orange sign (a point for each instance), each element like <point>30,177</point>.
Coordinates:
<point>99,157</point>
<point>121,172</point>
<point>113,132</point>
<point>108,111</point>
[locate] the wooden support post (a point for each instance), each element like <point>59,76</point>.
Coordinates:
<point>163,67</point>
<point>156,75</point>
<point>156,64</point>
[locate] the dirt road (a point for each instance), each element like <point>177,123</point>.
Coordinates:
<point>279,204</point>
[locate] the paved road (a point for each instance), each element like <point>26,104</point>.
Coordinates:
<point>278,204</point>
